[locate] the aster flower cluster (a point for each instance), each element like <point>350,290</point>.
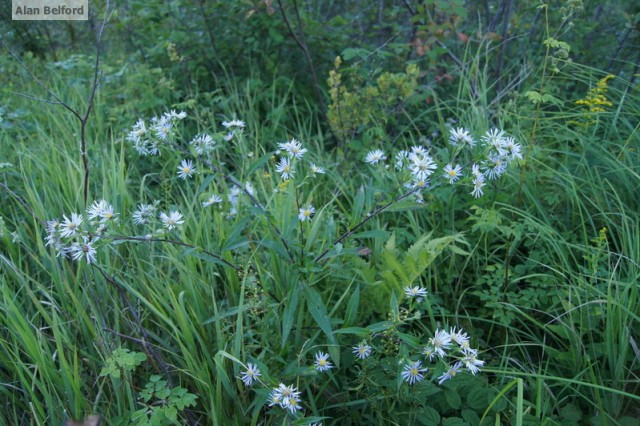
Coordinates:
<point>480,162</point>
<point>147,140</point>
<point>453,349</point>
<point>287,397</point>
<point>291,152</point>
<point>233,127</point>
<point>284,396</point>
<point>145,214</point>
<point>76,236</point>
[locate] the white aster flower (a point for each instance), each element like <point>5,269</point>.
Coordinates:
<point>143,215</point>
<point>452,173</point>
<point>250,375</point>
<point>496,166</point>
<point>450,373</point>
<point>173,114</point>
<point>233,124</point>
<point>293,148</point>
<point>172,220</point>
<point>418,151</point>
<point>401,159</point>
<point>233,195</point>
<point>186,169</point>
<point>441,342</point>
<point>417,292</point>
<point>83,250</point>
<point>52,233</point>
<point>285,169</point>
<point>322,362</point>
<point>419,183</point>
<point>213,199</point>
<point>96,209</point>
<point>152,148</point>
<point>460,136</point>
<point>316,170</point>
<point>202,144</point>
<point>513,149</point>
<point>495,139</point>
<point>460,337</point>
<point>478,183</point>
<point>101,210</point>
<point>162,127</point>
<point>421,167</point>
<point>475,171</point>
<point>69,227</point>
<point>429,352</point>
<point>413,372</point>
<point>471,361</point>
<point>287,397</point>
<point>306,213</point>
<point>362,350</point>
<point>375,156</point>
<point>137,134</point>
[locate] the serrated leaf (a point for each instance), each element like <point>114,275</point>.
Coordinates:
<point>428,417</point>
<point>454,421</point>
<point>453,398</point>
<point>470,416</point>
<point>351,52</point>
<point>477,399</point>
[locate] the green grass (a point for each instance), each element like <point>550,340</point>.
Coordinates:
<point>550,299</point>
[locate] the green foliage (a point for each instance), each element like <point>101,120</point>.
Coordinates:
<point>541,271</point>
<point>366,112</point>
<point>162,404</point>
<point>122,360</point>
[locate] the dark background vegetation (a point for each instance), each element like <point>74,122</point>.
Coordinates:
<point>538,247</point>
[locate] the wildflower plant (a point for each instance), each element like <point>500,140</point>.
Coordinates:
<point>287,205</point>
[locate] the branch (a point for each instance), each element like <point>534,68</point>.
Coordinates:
<point>82,118</point>
<point>143,331</point>
<point>305,50</point>
<point>177,243</point>
<point>369,216</point>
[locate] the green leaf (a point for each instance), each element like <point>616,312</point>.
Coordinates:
<point>453,398</point>
<point>470,416</point>
<point>380,326</point>
<point>233,240</point>
<point>351,52</point>
<point>477,399</point>
<point>358,206</point>
<point>289,313</point>
<point>352,307</point>
<point>358,331</point>
<point>259,163</point>
<point>454,421</point>
<point>317,310</point>
<point>428,417</point>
